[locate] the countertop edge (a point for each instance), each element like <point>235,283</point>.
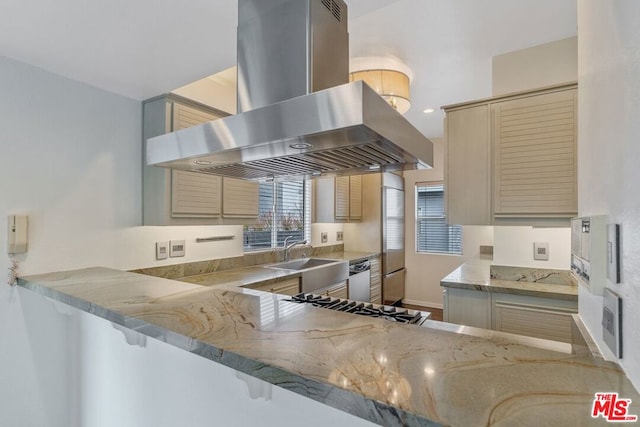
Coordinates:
<point>345,400</point>
<point>509,290</point>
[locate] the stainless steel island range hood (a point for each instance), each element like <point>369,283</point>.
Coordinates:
<point>298,115</point>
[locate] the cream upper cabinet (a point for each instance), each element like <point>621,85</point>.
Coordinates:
<point>175,197</point>
<point>240,198</point>
<point>337,199</point>
<point>341,199</point>
<point>355,198</point>
<point>535,155</point>
<point>512,159</point>
<point>468,176</point>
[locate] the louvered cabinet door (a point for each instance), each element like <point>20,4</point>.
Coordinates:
<point>239,198</point>
<point>355,198</point>
<point>535,155</point>
<point>376,280</point>
<point>185,116</point>
<point>195,195</point>
<point>342,198</point>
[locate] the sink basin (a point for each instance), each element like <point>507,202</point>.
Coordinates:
<point>302,264</point>
<point>316,273</point>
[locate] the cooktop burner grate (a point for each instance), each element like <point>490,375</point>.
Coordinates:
<point>394,314</point>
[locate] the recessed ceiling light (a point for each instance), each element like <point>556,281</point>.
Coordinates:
<point>300,145</point>
<point>428,111</point>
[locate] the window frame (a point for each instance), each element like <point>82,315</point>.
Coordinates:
<point>451,250</point>
<point>273,213</point>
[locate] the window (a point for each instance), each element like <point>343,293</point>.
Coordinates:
<point>283,211</point>
<point>432,232</point>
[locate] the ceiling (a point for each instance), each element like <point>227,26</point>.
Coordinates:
<point>144,48</point>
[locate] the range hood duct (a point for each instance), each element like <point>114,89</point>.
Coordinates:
<point>298,115</point>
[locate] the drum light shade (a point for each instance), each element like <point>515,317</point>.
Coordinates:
<point>392,85</point>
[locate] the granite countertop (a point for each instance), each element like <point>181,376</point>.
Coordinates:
<point>260,274</point>
<point>476,275</point>
<point>391,374</point>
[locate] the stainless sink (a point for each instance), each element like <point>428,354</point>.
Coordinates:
<point>304,263</point>
<point>316,273</point>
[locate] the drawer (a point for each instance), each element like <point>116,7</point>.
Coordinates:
<point>284,287</point>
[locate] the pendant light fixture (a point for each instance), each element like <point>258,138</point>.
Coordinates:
<point>390,78</point>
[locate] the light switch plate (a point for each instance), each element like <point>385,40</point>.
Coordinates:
<point>162,250</point>
<point>324,237</point>
<point>176,248</point>
<point>613,253</point>
<point>541,251</point>
<point>612,321</point>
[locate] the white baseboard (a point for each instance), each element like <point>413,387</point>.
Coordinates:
<point>422,303</point>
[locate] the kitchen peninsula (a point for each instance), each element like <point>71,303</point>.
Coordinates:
<point>388,373</point>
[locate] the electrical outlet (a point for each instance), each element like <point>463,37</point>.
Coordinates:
<point>176,248</point>
<point>324,237</point>
<point>541,251</point>
<point>162,250</point>
<point>339,236</point>
<point>612,321</point>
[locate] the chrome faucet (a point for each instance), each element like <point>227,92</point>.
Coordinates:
<point>288,246</point>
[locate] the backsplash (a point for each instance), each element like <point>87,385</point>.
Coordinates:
<point>247,260</point>
<point>535,275</point>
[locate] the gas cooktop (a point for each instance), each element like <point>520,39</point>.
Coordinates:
<point>391,313</point>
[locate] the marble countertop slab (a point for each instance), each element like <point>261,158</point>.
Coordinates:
<point>261,274</point>
<point>391,374</point>
<point>476,275</point>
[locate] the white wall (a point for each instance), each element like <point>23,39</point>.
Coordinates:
<point>424,271</point>
<point>608,151</point>
<point>71,160</point>
<point>331,229</point>
<point>218,91</point>
<point>538,66</point>
<point>367,235</point>
<point>514,246</point>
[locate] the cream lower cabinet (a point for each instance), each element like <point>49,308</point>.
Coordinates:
<point>534,317</point>
<point>376,280</point>
<point>466,307</point>
<point>283,287</point>
<point>175,197</point>
<point>512,160</point>
<point>547,318</point>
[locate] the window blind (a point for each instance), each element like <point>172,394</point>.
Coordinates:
<point>433,234</point>
<point>283,211</point>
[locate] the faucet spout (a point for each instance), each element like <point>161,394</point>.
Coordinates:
<point>288,247</point>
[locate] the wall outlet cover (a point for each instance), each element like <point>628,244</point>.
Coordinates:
<point>541,251</point>
<point>176,248</point>
<point>162,250</point>
<point>339,236</point>
<point>612,321</point>
<point>324,237</point>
